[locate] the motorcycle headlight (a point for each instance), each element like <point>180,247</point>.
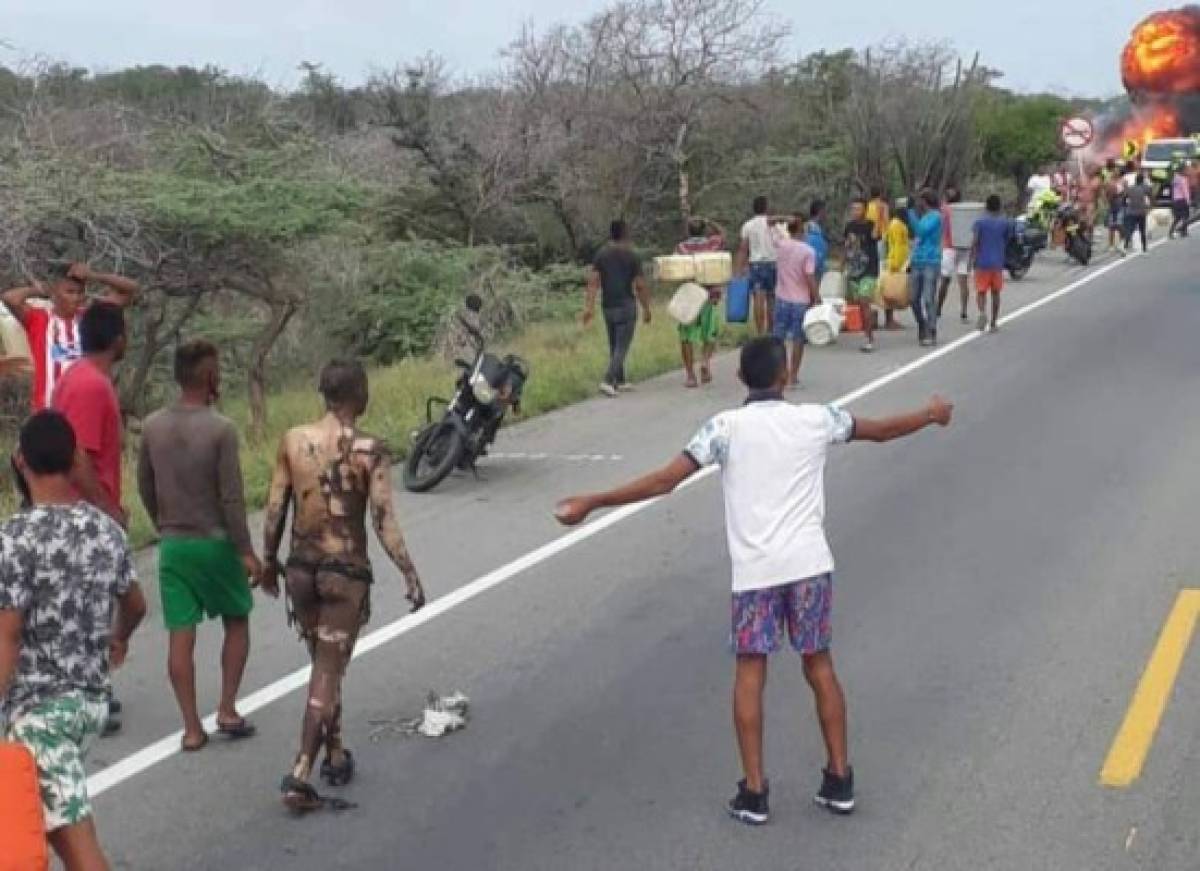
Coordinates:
<point>484,392</point>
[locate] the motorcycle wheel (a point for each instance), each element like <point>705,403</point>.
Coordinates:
<point>434,456</point>
<point>1081,250</point>
<point>1018,267</point>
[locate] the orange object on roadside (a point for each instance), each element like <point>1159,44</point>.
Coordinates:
<point>22,826</point>
<point>853,322</point>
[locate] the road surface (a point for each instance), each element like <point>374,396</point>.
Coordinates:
<point>1001,587</point>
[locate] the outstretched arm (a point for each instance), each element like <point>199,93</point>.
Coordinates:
<point>278,500</point>
<point>575,510</point>
<point>886,429</point>
<point>383,517</point>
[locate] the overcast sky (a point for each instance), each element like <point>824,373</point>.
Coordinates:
<point>1069,48</point>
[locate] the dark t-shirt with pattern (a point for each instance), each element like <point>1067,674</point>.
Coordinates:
<point>62,567</point>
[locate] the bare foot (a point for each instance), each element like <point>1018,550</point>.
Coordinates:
<point>705,375</point>
<point>691,382</point>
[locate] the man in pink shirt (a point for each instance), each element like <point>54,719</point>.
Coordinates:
<point>86,397</point>
<point>795,291</point>
<point>1181,202</point>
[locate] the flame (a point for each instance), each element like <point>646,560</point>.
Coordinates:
<point>1163,54</point>
<point>1148,122</point>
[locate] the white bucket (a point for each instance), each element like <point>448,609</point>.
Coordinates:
<point>833,285</point>
<point>687,302</point>
<point>823,323</point>
<point>962,223</point>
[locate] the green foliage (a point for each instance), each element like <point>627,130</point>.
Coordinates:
<point>1019,134</point>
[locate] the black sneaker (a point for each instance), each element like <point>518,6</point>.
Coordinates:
<point>837,793</point>
<point>750,807</point>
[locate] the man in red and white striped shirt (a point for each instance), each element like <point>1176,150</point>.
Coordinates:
<point>53,333</point>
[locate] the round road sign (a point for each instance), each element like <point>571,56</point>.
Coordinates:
<point>1076,133</point>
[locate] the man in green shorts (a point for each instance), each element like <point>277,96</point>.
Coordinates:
<point>69,602</point>
<point>862,268</point>
<point>704,237</point>
<point>190,480</point>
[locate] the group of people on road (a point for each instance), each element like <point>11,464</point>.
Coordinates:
<point>784,258</point>
<point>69,596</point>
<point>1120,197</point>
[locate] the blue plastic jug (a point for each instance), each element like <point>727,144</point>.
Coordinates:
<point>737,301</point>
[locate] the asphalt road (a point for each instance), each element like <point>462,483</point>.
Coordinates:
<point>1000,587</point>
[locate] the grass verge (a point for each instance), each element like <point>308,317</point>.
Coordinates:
<point>567,361</point>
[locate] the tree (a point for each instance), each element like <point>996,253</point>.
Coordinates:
<point>465,140</point>
<point>1018,135</point>
<point>911,109</point>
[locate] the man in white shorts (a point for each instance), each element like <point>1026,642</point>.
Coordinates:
<point>955,262</point>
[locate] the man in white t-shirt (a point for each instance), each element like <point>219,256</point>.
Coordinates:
<point>756,258</point>
<point>1038,182</point>
<point>772,457</point>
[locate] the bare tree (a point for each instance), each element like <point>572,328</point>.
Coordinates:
<point>679,60</point>
<point>464,138</point>
<point>911,108</point>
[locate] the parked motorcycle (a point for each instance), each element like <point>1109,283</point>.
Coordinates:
<point>1076,234</point>
<point>1025,242</point>
<point>486,388</point>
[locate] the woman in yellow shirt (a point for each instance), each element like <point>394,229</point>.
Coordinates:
<point>899,250</point>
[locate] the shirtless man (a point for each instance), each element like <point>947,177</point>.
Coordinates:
<point>331,472</point>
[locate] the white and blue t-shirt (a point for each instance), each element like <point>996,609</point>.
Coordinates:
<point>772,459</point>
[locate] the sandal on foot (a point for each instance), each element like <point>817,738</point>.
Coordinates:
<point>338,775</point>
<point>241,728</point>
<point>705,375</point>
<point>691,384</point>
<point>192,748</point>
<point>298,795</point>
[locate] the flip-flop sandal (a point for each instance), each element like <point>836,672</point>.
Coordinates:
<point>338,775</point>
<point>301,797</point>
<point>298,795</point>
<point>192,748</point>
<point>243,728</point>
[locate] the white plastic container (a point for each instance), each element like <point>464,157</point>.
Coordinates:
<point>687,302</point>
<point>714,268</point>
<point>675,267</point>
<point>823,323</point>
<point>962,223</point>
<point>1162,217</point>
<point>833,285</point>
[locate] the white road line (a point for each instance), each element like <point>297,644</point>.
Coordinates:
<point>167,747</point>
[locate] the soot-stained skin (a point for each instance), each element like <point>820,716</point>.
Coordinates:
<point>330,473</point>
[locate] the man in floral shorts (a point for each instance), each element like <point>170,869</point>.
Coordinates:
<point>772,456</point>
<point>68,605</point>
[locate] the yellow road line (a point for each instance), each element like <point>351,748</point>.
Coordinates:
<point>1128,752</point>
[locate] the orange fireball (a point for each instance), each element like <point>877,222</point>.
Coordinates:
<point>1163,55</point>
